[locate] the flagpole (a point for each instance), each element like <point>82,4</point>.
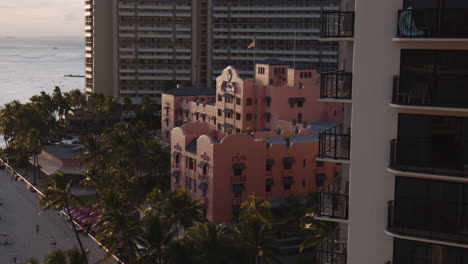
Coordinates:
<point>295,37</point>
<point>255,57</point>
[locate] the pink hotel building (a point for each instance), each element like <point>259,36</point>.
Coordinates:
<point>249,136</point>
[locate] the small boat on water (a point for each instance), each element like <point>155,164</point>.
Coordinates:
<point>74,75</point>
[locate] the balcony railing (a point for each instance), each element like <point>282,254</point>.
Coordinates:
<point>333,250</point>
<point>435,220</point>
<point>337,25</point>
<point>334,144</point>
<point>433,23</point>
<point>336,85</point>
<point>421,155</point>
<point>430,90</point>
<point>333,200</point>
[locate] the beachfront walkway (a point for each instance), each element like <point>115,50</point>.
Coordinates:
<point>19,215</point>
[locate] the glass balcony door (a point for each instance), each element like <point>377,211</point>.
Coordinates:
<point>433,78</point>
<point>440,208</point>
<point>436,142</point>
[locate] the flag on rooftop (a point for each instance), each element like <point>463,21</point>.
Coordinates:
<point>252,45</point>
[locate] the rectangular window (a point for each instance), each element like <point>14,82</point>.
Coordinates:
<point>238,172</point>
<point>238,101</point>
<point>220,98</point>
<point>267,187</point>
<point>237,189</point>
<point>299,117</point>
<point>190,183</point>
<point>268,167</point>
<point>320,163</point>
<point>220,112</point>
<point>219,126</point>
<point>248,117</point>
<point>249,101</point>
<point>238,116</point>
<point>320,179</point>
<point>300,104</point>
<point>304,163</point>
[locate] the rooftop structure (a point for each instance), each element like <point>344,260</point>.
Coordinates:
<point>64,158</point>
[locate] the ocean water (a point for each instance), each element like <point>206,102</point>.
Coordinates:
<point>29,65</point>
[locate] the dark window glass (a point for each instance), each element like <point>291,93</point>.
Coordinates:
<point>436,206</point>
<point>249,101</point>
<point>238,172</point>
<point>248,117</point>
<point>414,252</point>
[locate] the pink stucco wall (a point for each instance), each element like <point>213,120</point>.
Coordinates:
<point>252,101</point>
<point>253,152</point>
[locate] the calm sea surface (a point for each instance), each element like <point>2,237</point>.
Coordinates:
<point>29,65</point>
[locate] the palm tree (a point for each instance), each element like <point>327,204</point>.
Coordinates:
<point>70,256</point>
<point>56,257</point>
<point>213,244</point>
<point>156,237</point>
<point>76,99</point>
<point>57,194</point>
<point>118,228</point>
<point>178,207</point>
<point>31,261</point>
<point>255,230</point>
<point>315,232</point>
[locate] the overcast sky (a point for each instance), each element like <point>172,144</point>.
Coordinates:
<point>42,17</point>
